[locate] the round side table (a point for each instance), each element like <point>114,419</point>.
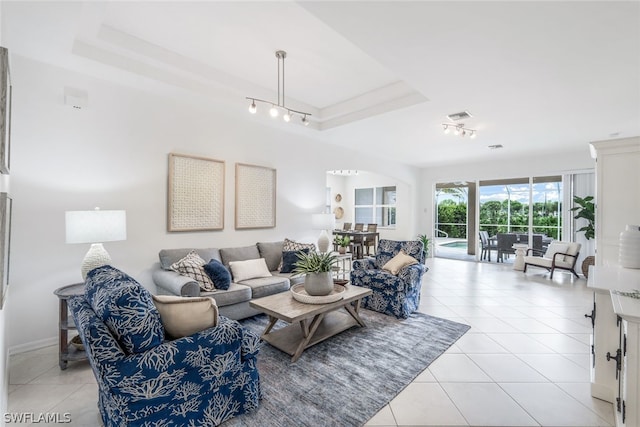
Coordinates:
<point>521,250</point>
<point>66,352</point>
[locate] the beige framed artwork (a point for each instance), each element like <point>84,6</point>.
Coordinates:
<point>196,193</point>
<point>255,197</point>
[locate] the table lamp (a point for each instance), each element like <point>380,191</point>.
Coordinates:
<point>95,227</point>
<point>323,222</point>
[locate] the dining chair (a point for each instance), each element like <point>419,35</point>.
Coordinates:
<point>346,226</point>
<point>370,241</point>
<point>357,242</point>
<point>359,226</point>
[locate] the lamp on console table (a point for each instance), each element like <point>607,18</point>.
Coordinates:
<point>323,222</point>
<point>95,227</point>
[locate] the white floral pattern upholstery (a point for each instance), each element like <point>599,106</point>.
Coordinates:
<point>399,295</point>
<point>199,380</point>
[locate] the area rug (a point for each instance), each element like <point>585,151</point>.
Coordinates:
<point>347,379</point>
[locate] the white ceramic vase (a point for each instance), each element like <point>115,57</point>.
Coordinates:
<point>629,255</point>
<point>318,284</point>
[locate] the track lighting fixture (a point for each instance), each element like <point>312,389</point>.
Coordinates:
<point>274,111</point>
<point>459,129</point>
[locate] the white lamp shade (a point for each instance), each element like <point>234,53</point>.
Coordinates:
<point>95,226</point>
<point>323,221</point>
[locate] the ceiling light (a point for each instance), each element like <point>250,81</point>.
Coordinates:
<point>280,105</point>
<point>459,129</point>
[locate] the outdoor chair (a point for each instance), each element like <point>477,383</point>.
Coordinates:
<point>487,245</point>
<point>505,245</point>
<point>396,287</point>
<point>559,255</point>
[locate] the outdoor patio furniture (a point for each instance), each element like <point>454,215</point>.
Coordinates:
<point>505,245</point>
<point>488,245</point>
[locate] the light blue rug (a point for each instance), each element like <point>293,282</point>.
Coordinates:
<point>347,379</point>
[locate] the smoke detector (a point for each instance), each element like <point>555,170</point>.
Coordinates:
<point>495,147</point>
<point>459,116</point>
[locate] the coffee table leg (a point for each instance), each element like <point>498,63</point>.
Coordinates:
<point>272,321</point>
<point>353,311</point>
<point>305,327</point>
<point>312,330</point>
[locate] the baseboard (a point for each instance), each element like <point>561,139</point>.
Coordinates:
<point>33,345</point>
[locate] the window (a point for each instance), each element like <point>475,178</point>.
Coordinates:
<point>376,205</point>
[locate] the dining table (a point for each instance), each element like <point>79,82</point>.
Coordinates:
<point>358,237</point>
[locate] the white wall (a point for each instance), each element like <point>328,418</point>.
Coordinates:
<point>4,347</point>
<point>113,154</point>
<point>549,164</point>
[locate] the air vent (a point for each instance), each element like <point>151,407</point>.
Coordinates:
<point>495,147</point>
<point>459,116</point>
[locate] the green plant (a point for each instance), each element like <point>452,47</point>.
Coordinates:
<point>342,241</point>
<point>586,209</point>
<point>425,242</point>
<point>314,262</point>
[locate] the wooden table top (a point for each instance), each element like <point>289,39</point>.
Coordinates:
<point>285,307</point>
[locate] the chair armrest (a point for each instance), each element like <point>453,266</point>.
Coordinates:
<point>536,252</point>
<point>364,264</point>
<point>411,275</point>
<point>175,283</point>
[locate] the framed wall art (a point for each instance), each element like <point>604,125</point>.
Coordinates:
<point>196,193</point>
<point>5,244</point>
<point>255,197</point>
<point>5,111</point>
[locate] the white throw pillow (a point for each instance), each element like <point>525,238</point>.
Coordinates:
<point>398,262</point>
<point>249,269</point>
<point>555,247</point>
<point>184,316</point>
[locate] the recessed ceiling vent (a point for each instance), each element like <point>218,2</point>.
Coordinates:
<point>495,147</point>
<point>459,116</point>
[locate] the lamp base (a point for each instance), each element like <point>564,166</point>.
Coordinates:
<point>323,241</point>
<point>97,256</point>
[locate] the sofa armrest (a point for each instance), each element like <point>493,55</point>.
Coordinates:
<point>364,264</point>
<point>175,284</point>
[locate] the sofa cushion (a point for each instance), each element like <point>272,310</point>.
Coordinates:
<point>170,256</point>
<point>218,273</point>
<point>398,262</point>
<point>249,269</point>
<point>192,266</point>
<point>272,253</point>
<point>265,286</point>
<point>184,316</point>
<point>235,294</point>
<point>243,253</point>
<point>126,307</point>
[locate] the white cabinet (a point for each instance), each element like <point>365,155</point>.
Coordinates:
<point>617,193</point>
<point>615,367</point>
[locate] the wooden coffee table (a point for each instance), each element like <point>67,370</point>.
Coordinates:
<point>309,324</point>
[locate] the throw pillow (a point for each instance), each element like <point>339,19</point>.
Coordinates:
<point>249,269</point>
<point>555,247</point>
<point>398,262</point>
<point>292,245</point>
<point>126,307</point>
<point>218,274</point>
<point>184,316</point>
<point>289,259</point>
<point>192,266</point>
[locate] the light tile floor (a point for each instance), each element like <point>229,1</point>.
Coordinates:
<point>524,362</point>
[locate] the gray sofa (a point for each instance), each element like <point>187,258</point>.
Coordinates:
<point>234,302</point>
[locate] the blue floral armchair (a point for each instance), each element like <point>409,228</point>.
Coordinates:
<point>144,380</point>
<point>399,295</point>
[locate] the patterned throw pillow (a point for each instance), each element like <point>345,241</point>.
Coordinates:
<point>293,246</point>
<point>193,266</point>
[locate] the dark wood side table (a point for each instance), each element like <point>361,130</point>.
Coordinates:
<point>66,352</point>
